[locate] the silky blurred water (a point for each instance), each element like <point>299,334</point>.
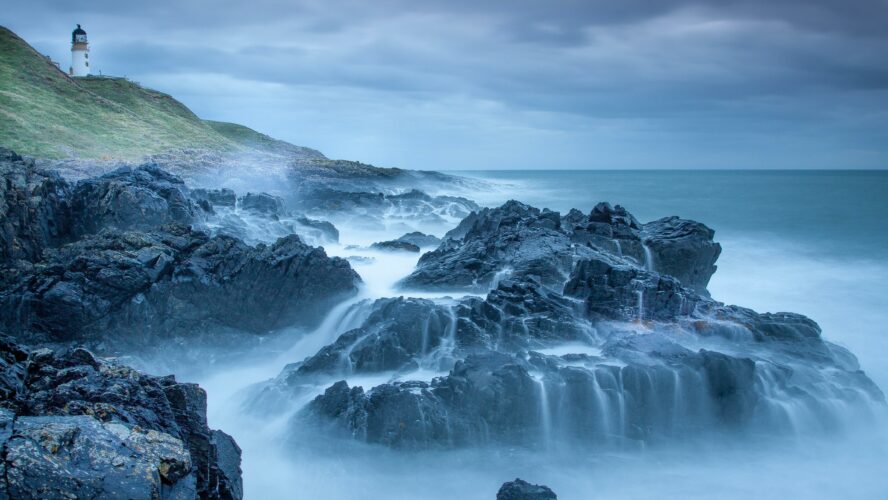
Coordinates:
<point>808,242</point>
<point>812,242</point>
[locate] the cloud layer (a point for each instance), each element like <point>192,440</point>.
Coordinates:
<point>512,83</point>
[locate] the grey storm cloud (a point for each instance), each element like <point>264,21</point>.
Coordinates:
<point>503,83</point>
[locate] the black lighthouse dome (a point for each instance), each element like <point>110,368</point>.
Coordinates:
<point>78,35</point>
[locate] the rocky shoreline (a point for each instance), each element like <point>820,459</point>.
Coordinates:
<point>582,330</point>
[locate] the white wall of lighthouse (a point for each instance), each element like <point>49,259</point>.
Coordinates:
<point>79,53</point>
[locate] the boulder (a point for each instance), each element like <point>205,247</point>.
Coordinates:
<point>682,249</point>
<point>522,490</point>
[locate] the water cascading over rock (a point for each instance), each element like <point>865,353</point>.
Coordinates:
<point>648,357</point>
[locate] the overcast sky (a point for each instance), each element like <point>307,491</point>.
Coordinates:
<point>464,84</point>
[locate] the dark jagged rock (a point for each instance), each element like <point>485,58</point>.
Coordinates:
<point>375,209</point>
<point>522,490</point>
<point>420,239</point>
<point>395,246</point>
<point>387,340</point>
<point>34,211</point>
<point>522,239</point>
<point>655,358</point>
<point>614,290</point>
<point>682,249</point>
<point>400,334</point>
<point>130,198</point>
<point>74,424</point>
<point>662,391</point>
<point>215,197</point>
<point>261,202</point>
<point>135,286</point>
<point>325,230</point>
<point>525,241</point>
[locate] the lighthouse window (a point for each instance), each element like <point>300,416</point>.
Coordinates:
<point>87,64</point>
<point>86,56</point>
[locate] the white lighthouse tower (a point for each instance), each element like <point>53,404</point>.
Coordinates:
<point>79,53</point>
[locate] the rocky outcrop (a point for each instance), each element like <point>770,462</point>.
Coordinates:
<point>519,240</point>
<point>138,286</point>
<point>263,203</point>
<point>377,209</point>
<point>515,238</point>
<point>615,290</point>
<point>395,246</point>
<point>580,341</point>
<point>131,198</point>
<point>656,390</point>
<point>421,240</point>
<point>522,490</point>
<point>74,424</point>
<point>214,197</point>
<point>34,211</point>
<point>404,334</point>
<point>682,249</point>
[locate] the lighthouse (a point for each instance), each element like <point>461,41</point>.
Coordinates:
<point>79,53</point>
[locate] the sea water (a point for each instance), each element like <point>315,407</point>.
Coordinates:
<point>809,242</point>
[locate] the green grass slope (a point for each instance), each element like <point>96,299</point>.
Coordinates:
<point>249,138</point>
<point>47,114</point>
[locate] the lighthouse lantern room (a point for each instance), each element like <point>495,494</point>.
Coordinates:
<point>79,53</point>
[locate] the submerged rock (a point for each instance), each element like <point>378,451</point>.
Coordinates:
<point>74,424</point>
<point>140,286</point>
<point>522,490</point>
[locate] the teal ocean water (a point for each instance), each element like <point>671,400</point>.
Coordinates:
<point>814,242</point>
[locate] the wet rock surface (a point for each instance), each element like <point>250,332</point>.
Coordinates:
<point>34,210</point>
<point>518,240</point>
<point>522,490</point>
<point>131,198</point>
<point>581,341</point>
<point>395,246</point>
<point>74,424</point>
<point>420,239</point>
<point>140,286</point>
